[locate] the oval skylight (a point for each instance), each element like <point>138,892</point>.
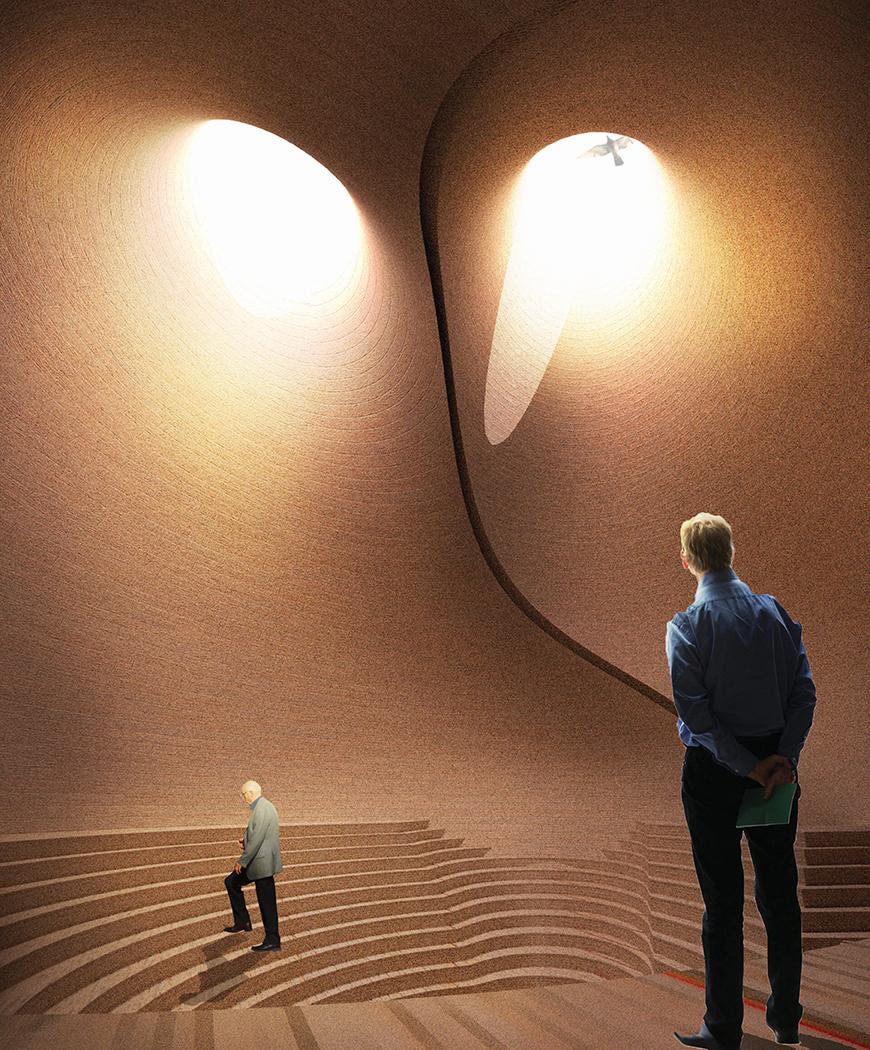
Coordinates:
<point>591,232</point>
<point>281,229</point>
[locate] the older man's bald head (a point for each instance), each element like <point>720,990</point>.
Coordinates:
<point>251,790</point>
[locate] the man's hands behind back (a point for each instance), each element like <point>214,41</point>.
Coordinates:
<point>772,771</point>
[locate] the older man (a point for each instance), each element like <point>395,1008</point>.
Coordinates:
<point>745,697</point>
<point>259,863</point>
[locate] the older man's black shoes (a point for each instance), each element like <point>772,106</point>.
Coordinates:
<point>787,1035</point>
<point>268,944</point>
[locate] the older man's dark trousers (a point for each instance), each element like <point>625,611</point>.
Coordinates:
<point>711,796</point>
<point>266,899</point>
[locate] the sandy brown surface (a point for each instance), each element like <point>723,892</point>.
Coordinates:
<point>737,388</point>
<point>239,548</point>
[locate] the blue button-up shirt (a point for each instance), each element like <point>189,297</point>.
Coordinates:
<point>738,668</point>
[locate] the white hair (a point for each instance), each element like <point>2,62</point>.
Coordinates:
<point>252,785</point>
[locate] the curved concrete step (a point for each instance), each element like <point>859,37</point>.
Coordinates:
<point>680,855</point>
<point>511,875</point>
<point>49,844</point>
<point>79,952</point>
<point>839,896</point>
<point>121,919</point>
<point>18,898</point>
<point>594,913</point>
<point>106,862</point>
<point>835,837</point>
<point>324,970</point>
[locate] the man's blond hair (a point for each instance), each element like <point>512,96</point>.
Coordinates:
<point>706,542</point>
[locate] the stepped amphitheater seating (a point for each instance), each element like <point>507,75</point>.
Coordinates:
<point>132,921</point>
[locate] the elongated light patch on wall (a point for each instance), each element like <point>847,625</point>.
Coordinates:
<point>592,232</point>
<point>281,229</point>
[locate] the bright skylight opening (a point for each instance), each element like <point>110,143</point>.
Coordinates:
<point>592,230</point>
<point>281,229</point>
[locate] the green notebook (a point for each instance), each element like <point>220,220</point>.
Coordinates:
<point>755,812</point>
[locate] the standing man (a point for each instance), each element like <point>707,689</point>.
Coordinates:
<point>745,699</point>
<point>259,863</point>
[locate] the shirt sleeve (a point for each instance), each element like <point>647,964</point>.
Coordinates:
<point>801,698</point>
<point>254,839</point>
<point>693,704</point>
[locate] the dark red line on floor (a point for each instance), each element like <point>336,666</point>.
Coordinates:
<point>813,1026</point>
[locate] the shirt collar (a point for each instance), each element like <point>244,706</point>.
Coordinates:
<point>711,581</point>
<point>256,800</point>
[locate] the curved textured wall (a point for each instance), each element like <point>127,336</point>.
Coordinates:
<point>241,547</point>
<point>237,547</point>
<point>739,388</point>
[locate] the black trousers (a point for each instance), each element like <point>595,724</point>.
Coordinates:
<point>711,797</point>
<point>265,898</point>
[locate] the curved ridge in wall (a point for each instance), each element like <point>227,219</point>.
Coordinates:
<point>224,527</point>
<point>732,388</point>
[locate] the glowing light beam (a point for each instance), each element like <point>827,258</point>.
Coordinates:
<point>281,229</point>
<point>589,235</point>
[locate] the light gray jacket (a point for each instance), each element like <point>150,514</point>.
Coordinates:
<point>262,852</point>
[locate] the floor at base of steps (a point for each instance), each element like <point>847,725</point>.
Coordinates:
<point>632,1013</point>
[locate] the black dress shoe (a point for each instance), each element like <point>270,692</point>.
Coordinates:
<point>238,929</point>
<point>790,1035</point>
<point>267,946</point>
<point>706,1040</point>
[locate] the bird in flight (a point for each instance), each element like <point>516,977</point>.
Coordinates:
<point>612,146</point>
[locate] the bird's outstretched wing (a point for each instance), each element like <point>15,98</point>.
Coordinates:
<point>596,151</point>
<point>624,141</point>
